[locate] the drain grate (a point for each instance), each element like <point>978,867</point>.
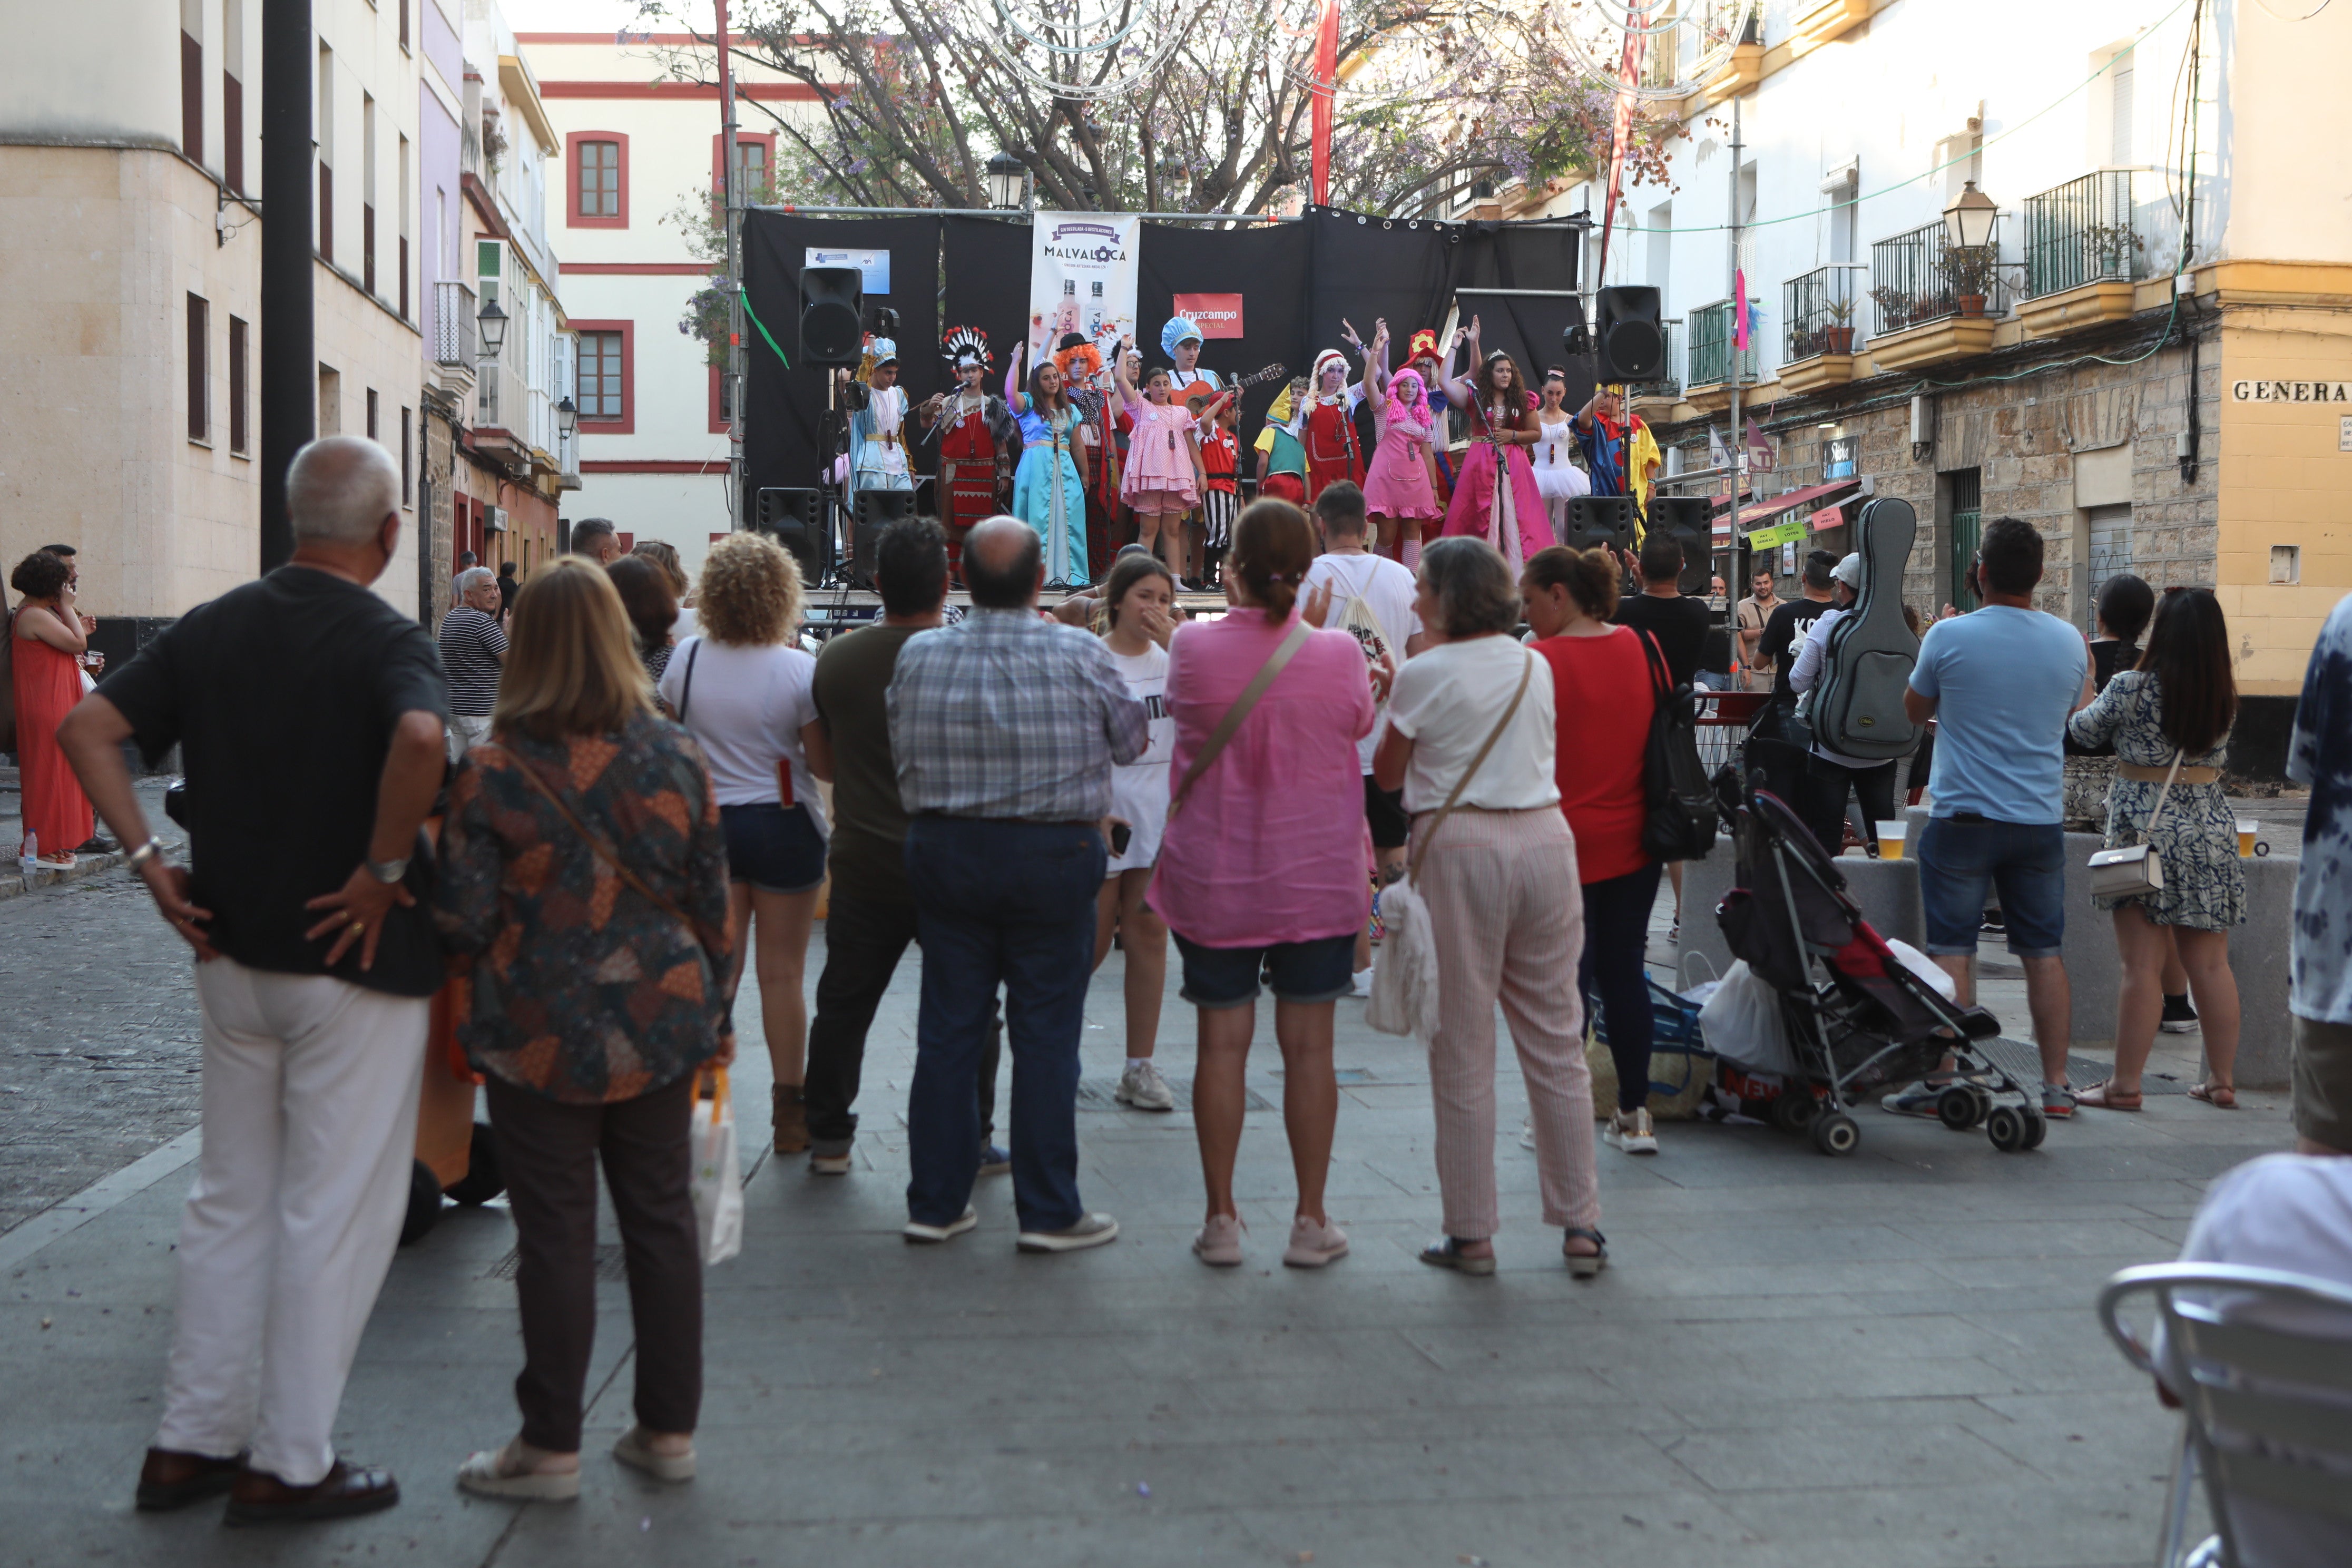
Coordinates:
<point>611,1266</point>
<point>2021,1061</point>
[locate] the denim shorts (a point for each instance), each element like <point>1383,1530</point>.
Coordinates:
<point>776,848</point>
<point>1320,970</point>
<point>1960,859</point>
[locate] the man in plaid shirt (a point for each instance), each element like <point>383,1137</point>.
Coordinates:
<point>1003,729</point>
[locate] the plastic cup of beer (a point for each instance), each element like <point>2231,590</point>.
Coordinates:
<point>1891,837</point>
<point>2246,831</point>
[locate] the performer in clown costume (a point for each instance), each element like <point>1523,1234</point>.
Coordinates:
<point>977,437</point>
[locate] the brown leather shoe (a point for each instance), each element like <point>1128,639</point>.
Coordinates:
<point>791,1107</point>
<point>171,1479</point>
<point>259,1498</point>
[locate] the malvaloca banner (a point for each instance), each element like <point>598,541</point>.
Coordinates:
<point>1082,274</point>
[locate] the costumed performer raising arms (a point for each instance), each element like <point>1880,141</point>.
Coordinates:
<point>1163,478</point>
<point>1495,496</point>
<point>1400,492</point>
<point>1049,489</point>
<point>977,439</point>
<point>1326,426</point>
<point>1616,447</point>
<point>1181,340</point>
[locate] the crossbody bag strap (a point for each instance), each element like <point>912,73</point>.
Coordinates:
<point>604,851</point>
<point>1413,871</point>
<point>1230,725</point>
<point>685,686</point>
<point>2147,833</point>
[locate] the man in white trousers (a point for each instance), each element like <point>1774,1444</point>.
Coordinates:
<point>309,716</point>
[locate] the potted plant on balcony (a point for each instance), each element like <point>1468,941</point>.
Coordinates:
<point>1838,339</point>
<point>1970,273</point>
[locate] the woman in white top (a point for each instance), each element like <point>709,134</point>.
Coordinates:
<point>743,690</point>
<point>1139,616</point>
<point>1558,480</point>
<point>1499,874</point>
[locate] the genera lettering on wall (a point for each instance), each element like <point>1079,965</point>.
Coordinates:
<point>2291,392</point>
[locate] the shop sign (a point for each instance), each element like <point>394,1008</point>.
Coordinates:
<point>2291,390</point>
<point>1778,534</point>
<point>1837,457</point>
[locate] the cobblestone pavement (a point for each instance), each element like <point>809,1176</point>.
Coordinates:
<point>98,1053</point>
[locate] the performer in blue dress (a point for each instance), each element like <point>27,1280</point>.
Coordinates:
<point>877,432</point>
<point>1049,489</point>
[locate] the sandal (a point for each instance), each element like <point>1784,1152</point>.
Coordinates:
<point>1447,1253</point>
<point>2105,1096</point>
<point>2220,1096</point>
<point>498,1473</point>
<point>1585,1265</point>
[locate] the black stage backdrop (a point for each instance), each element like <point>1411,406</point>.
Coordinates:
<point>1298,282</point>
<point>783,408</point>
<point>988,284</point>
<point>1266,266</point>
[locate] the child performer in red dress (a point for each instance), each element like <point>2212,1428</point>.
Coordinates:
<point>1327,425</point>
<point>976,434</point>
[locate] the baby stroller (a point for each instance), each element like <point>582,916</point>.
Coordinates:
<point>1871,1025</point>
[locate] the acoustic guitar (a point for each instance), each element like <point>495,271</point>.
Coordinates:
<point>1237,385</point>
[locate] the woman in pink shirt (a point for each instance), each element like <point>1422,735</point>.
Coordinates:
<point>1259,869</point>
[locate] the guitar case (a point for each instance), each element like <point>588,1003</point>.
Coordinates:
<point>1857,708</point>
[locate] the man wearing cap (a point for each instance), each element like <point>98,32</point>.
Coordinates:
<point>1830,775</point>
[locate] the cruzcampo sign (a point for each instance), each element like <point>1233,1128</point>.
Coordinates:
<point>2291,392</point>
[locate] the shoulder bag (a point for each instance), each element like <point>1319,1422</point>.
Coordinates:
<point>1681,820</point>
<point>1404,986</point>
<point>2134,871</point>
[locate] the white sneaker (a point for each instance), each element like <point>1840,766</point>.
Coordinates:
<point>1528,1133</point>
<point>1141,1087</point>
<point>1630,1131</point>
<point>1363,982</point>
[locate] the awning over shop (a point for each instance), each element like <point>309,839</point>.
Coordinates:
<point>1811,498</point>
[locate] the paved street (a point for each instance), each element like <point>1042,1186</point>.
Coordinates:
<point>1888,1360</point>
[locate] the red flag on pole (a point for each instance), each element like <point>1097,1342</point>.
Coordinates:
<point>1739,308</point>
<point>1326,89</point>
<point>1620,121</point>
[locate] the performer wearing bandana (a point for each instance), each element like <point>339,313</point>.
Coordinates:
<point>977,437</point>
<point>1326,427</point>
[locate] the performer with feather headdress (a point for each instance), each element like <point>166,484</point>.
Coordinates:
<point>977,439</point>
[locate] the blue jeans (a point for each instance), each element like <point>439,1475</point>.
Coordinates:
<point>1959,858</point>
<point>1009,903</point>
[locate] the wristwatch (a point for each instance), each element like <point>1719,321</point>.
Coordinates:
<point>388,871</point>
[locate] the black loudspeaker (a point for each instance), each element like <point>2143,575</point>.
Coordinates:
<point>1602,522</point>
<point>794,519</point>
<point>833,315</point>
<point>877,510</point>
<point>1630,335</point>
<point>1690,522</point>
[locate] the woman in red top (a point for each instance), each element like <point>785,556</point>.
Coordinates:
<point>1602,695</point>
<point>49,637</point>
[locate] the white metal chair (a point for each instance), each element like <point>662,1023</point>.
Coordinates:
<point>2269,1406</point>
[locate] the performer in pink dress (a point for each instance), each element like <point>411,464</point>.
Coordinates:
<point>1163,480</point>
<point>1494,495</point>
<point>1397,494</point>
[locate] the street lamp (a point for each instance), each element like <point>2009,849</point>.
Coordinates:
<point>1969,221</point>
<point>493,323</point>
<point>567,419</point>
<point>1007,179</point>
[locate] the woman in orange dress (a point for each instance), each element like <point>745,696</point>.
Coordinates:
<point>48,642</point>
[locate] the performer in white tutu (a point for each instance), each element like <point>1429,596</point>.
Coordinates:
<point>1557,478</point>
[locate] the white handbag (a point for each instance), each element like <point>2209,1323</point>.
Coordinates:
<point>2134,871</point>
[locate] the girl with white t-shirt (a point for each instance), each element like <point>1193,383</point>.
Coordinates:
<point>745,693</point>
<point>1139,617</point>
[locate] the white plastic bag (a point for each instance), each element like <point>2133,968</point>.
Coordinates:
<point>1404,986</point>
<point>1742,1022</point>
<point>1926,968</point>
<point>717,1183</point>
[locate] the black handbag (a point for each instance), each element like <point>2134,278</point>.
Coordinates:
<point>1681,821</point>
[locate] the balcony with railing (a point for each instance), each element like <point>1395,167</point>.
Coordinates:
<point>453,326</point>
<point>1712,361</point>
<point>1817,348</point>
<point>1933,301</point>
<point>2083,254</point>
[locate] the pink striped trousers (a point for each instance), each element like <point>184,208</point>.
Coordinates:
<point>1508,916</point>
